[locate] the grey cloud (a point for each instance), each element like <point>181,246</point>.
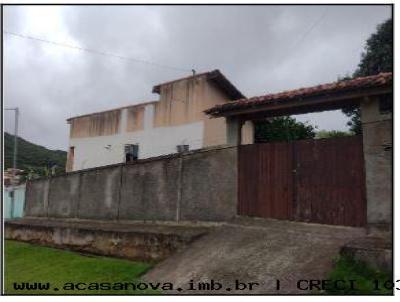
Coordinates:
<point>262,49</point>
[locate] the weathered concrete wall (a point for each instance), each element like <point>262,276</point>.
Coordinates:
<point>37,198</point>
<point>377,143</point>
<point>64,196</point>
<point>150,191</point>
<point>209,186</point>
<point>100,193</point>
<point>199,185</point>
<point>375,251</point>
<point>131,241</point>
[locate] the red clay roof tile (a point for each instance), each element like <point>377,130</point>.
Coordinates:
<point>382,79</point>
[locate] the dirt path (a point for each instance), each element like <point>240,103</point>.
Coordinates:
<point>259,251</point>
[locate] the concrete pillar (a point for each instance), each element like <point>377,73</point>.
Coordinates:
<point>248,133</point>
<point>377,144</point>
<point>233,131</point>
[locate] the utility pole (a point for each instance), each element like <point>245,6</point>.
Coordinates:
<point>16,111</point>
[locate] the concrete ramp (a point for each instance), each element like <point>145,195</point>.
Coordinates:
<point>255,251</point>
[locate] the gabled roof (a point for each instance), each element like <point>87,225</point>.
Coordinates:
<point>297,95</point>
<point>214,76</point>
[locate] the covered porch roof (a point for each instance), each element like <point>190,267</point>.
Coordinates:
<point>330,96</point>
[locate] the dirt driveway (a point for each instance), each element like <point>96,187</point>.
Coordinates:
<point>257,251</point>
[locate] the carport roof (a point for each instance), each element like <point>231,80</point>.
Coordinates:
<point>317,98</point>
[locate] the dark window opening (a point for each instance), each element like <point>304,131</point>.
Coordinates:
<point>182,148</point>
<point>131,153</point>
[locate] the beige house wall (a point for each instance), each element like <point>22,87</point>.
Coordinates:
<point>214,128</point>
<point>135,118</point>
<point>179,113</point>
<point>106,123</point>
<point>184,101</point>
<point>180,102</point>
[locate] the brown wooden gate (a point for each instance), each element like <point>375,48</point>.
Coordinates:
<point>319,181</point>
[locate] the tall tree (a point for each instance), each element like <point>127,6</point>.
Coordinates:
<point>282,129</point>
<point>378,53</point>
<point>377,57</point>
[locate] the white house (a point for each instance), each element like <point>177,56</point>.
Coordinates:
<point>174,123</point>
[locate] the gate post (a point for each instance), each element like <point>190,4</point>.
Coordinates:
<point>234,131</point>
<point>376,118</point>
<point>247,133</point>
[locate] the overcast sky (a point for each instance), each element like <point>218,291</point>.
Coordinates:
<point>261,49</point>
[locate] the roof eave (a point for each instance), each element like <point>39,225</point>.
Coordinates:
<point>225,84</point>
<point>297,105</point>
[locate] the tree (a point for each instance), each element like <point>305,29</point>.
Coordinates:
<point>354,113</point>
<point>378,53</point>
<point>32,158</point>
<point>332,133</point>
<point>282,129</point>
<point>376,58</point>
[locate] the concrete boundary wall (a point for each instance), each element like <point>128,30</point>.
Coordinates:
<point>199,185</point>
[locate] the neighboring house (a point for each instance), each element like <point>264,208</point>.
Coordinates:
<point>12,177</point>
<point>14,209</point>
<point>176,122</point>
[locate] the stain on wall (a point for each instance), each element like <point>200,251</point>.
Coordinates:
<point>135,119</point>
<point>157,127</point>
<point>105,123</point>
<point>181,102</point>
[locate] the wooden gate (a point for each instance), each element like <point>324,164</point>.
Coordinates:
<point>319,181</point>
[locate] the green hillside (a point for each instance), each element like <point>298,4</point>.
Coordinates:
<point>32,156</point>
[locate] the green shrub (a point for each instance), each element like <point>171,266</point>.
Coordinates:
<point>366,278</point>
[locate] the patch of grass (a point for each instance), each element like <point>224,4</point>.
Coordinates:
<point>29,263</point>
<point>365,277</point>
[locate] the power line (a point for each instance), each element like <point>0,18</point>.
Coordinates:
<point>97,52</point>
<point>303,36</point>
<point>316,22</point>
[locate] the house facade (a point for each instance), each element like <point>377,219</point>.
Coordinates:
<point>176,122</point>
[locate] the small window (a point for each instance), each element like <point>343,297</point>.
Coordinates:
<point>131,153</point>
<point>182,148</point>
<point>386,104</point>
